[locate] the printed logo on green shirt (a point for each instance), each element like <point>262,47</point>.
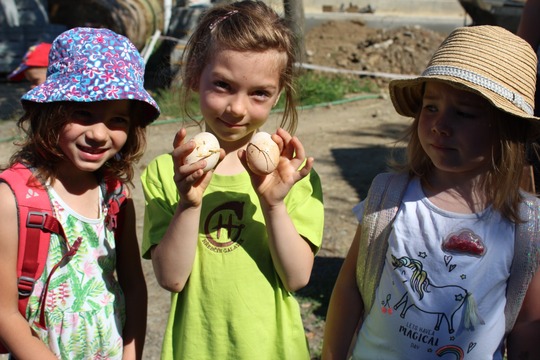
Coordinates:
<point>223,227</point>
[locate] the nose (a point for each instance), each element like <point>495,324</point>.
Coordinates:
<point>237,106</point>
<point>97,132</point>
<point>442,124</point>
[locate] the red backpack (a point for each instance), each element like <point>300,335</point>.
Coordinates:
<point>37,223</point>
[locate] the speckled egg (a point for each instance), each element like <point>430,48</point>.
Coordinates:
<point>262,154</point>
<point>207,148</point>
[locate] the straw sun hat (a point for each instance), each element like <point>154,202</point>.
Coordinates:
<point>487,60</point>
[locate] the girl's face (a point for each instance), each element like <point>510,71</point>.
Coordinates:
<point>94,133</point>
<point>237,91</point>
<point>455,129</point>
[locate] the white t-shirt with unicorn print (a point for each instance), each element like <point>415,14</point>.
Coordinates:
<point>442,290</point>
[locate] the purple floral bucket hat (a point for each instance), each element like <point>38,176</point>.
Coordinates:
<point>87,65</point>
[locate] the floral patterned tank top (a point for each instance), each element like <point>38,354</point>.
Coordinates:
<point>84,306</point>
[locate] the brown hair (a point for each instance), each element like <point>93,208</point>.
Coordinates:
<point>42,124</point>
<point>240,26</point>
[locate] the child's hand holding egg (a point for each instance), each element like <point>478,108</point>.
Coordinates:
<point>207,148</point>
<point>262,154</point>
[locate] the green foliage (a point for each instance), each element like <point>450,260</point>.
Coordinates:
<point>312,88</point>
<point>316,88</point>
<point>169,103</point>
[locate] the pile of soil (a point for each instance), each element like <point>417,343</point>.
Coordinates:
<point>351,45</point>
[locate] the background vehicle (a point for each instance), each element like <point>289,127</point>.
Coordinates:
<point>505,13</point>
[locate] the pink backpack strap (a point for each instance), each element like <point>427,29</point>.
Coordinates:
<point>116,196</point>
<point>35,224</point>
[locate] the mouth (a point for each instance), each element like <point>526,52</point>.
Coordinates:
<point>441,147</point>
<point>91,150</point>
<point>228,124</point>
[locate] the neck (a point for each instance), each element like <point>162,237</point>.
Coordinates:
<point>75,182</point>
<point>461,194</point>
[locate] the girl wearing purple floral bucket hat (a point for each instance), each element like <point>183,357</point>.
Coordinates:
<point>85,127</point>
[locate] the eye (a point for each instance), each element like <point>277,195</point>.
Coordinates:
<point>122,122</point>
<point>262,95</point>
<point>221,84</point>
<point>429,108</point>
<point>463,114</point>
<point>81,115</point>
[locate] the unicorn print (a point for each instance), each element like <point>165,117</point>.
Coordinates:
<point>442,301</point>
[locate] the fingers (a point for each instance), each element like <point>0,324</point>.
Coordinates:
<point>306,169</point>
<point>284,143</point>
<point>189,174</point>
<point>179,137</point>
<point>302,165</point>
<point>290,146</point>
<point>293,149</point>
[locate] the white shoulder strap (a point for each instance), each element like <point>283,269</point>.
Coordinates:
<point>380,208</point>
<point>526,258</point>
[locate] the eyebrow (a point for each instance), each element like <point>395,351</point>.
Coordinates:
<point>221,77</point>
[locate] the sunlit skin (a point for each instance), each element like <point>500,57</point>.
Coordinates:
<point>456,131</point>
<point>36,75</point>
<point>237,91</point>
<point>93,134</point>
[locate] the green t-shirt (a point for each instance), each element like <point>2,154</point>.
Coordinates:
<point>234,305</point>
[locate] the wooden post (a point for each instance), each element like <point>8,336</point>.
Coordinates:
<point>294,13</point>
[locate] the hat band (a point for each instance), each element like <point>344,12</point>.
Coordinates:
<point>482,81</point>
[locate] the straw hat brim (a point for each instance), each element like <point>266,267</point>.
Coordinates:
<point>406,95</point>
<point>487,60</point>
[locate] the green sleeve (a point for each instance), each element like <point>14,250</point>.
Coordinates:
<point>305,207</point>
<point>161,198</point>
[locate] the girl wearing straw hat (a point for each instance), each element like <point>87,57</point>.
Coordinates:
<point>455,272</point>
<point>85,128</point>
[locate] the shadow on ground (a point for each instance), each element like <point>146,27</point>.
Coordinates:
<point>359,176</point>
<point>323,276</point>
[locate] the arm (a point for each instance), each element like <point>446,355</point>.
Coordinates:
<point>291,254</point>
<point>345,310</point>
<point>173,257</point>
<point>15,333</point>
<point>528,25</point>
<point>522,342</point>
<point>131,279</point>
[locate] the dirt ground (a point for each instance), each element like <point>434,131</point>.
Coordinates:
<point>349,142</point>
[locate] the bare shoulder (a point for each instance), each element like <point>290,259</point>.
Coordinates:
<point>8,205</point>
<point>8,223</point>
